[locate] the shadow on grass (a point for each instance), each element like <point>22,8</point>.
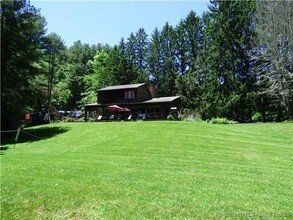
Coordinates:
<point>30,135</point>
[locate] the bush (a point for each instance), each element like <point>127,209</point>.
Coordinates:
<point>189,115</point>
<point>221,121</point>
<point>170,118</point>
<point>257,117</point>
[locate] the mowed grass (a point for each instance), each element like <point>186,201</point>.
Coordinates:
<point>150,170</point>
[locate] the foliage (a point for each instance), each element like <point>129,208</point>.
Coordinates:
<point>257,117</point>
<point>99,67</point>
<point>61,95</point>
<point>39,86</point>
<point>22,31</point>
<point>53,45</point>
<point>233,61</point>
<point>78,57</point>
<point>119,170</point>
<point>170,118</point>
<point>188,115</point>
<point>274,52</point>
<point>166,80</point>
<point>189,40</point>
<point>221,121</point>
<point>223,63</point>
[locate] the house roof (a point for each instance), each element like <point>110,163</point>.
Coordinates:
<point>162,99</point>
<point>151,101</point>
<point>120,87</point>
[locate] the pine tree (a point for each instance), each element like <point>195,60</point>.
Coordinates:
<point>188,38</point>
<point>22,30</point>
<point>154,58</point>
<point>227,74</point>
<point>167,81</point>
<point>182,48</point>
<point>193,31</point>
<point>131,49</point>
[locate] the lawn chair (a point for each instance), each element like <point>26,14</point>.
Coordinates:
<point>129,118</point>
<point>112,117</point>
<point>141,116</point>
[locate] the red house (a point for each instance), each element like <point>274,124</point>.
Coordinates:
<point>138,100</point>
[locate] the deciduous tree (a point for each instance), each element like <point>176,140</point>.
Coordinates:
<point>274,64</point>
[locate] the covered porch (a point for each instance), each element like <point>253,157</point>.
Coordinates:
<point>155,109</point>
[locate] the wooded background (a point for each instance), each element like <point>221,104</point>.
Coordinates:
<point>234,61</point>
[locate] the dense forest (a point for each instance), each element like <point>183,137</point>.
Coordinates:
<point>233,61</point>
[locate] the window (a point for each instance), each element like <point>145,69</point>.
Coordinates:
<point>129,94</point>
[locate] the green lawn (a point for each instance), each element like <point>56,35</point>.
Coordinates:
<point>149,170</point>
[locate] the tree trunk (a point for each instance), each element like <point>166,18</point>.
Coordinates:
<point>288,104</point>
<point>263,110</point>
<point>290,111</point>
<point>279,113</point>
<point>249,112</point>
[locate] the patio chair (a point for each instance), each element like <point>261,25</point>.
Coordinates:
<point>142,116</point>
<point>129,117</point>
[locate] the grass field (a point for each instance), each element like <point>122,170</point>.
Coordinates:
<point>149,170</point>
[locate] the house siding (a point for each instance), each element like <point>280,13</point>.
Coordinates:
<point>143,102</point>
<point>117,96</point>
<point>143,93</point>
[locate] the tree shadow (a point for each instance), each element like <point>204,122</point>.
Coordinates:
<point>30,135</point>
<point>2,149</point>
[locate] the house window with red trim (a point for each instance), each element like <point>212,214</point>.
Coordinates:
<point>129,94</point>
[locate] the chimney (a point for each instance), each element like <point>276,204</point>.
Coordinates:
<point>152,85</point>
<point>152,88</point>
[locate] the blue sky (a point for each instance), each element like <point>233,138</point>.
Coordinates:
<point>104,22</point>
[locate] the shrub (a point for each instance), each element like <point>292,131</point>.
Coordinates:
<point>189,115</point>
<point>170,118</point>
<point>257,117</point>
<point>221,121</point>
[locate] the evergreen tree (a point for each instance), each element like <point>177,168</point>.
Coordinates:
<point>141,49</point>
<point>131,49</point>
<point>167,81</point>
<point>188,38</point>
<point>155,57</point>
<point>141,54</point>
<point>22,31</point>
<point>226,75</point>
<point>182,48</point>
<point>193,31</point>
<point>121,70</point>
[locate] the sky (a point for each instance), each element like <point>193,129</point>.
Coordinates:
<point>106,22</point>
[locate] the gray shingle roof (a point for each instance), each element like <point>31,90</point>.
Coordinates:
<point>151,101</point>
<point>162,99</point>
<point>130,86</point>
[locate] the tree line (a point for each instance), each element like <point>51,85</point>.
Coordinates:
<point>233,61</point>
